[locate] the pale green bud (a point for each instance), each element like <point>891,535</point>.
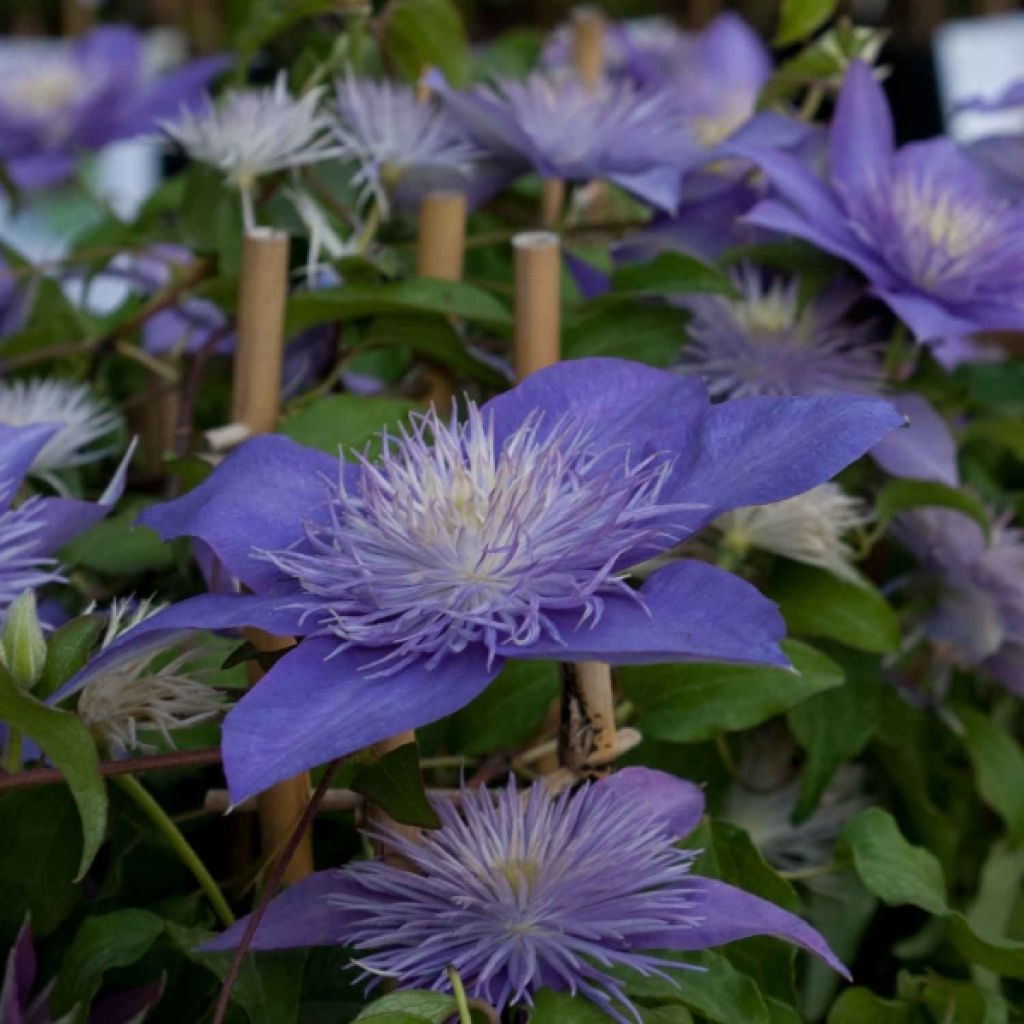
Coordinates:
<point>22,644</point>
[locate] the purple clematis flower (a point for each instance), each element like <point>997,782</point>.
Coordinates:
<point>522,891</point>
<point>18,1004</point>
<point>937,244</point>
<point>32,532</point>
<point>561,129</point>
<point>57,102</point>
<point>413,578</point>
<point>978,618</point>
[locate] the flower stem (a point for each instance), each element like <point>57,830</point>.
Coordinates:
<point>459,990</point>
<point>13,754</point>
<point>156,814</point>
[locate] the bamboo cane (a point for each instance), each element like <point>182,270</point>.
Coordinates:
<point>587,737</point>
<point>76,17</point>
<point>552,202</point>
<point>588,45</point>
<point>255,403</point>
<point>440,254</point>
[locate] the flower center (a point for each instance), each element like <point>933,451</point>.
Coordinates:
<point>44,87</point>
<point>452,540</point>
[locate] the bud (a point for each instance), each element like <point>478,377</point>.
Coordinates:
<point>22,644</point>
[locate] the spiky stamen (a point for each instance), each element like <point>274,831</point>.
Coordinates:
<point>451,539</point>
<point>518,891</point>
<point>21,566</point>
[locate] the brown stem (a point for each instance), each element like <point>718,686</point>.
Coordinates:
<point>269,890</point>
<point>190,391</point>
<point>132,766</point>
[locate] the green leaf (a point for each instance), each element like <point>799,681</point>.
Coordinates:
<point>509,711</point>
<point>66,742</point>
<point>117,547</point>
<point>68,651</point>
<point>902,495</point>
<point>102,943</point>
<point>720,992</point>
<point>816,603</point>
<point>669,273</point>
<point>394,784</point>
<point>434,339</point>
<point>897,872</point>
<point>861,1006</point>
<point>341,423</point>
<point>1004,956</point>
<point>655,336</point>
<point>835,727</point>
<point>998,767</point>
<point>416,295</point>
<point>561,1008</point>
<point>269,987</point>
<point>37,860</point>
<point>427,33</point>
<point>802,18</point>
<point>409,1008</point>
<point>1004,431</point>
<point>687,703</point>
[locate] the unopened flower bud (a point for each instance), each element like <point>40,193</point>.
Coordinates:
<point>22,644</point>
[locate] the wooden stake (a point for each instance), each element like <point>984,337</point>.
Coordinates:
<point>441,247</point>
<point>552,202</point>
<point>256,391</point>
<point>76,17</point>
<point>588,45</point>
<point>588,740</point>
<point>440,254</point>
<point>538,270</point>
<point>256,403</point>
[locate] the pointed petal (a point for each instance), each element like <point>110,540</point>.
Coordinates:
<point>311,708</point>
<point>694,612</point>
<point>302,916</point>
<point>922,450</point>
<point>624,403</point>
<point>727,914</point>
<point>62,519</point>
<point>678,802</point>
<point>211,612</point>
<point>861,139</point>
<point>258,497</point>
<point>18,448</point>
<point>765,449</point>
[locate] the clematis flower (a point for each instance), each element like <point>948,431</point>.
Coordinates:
<point>768,342</point>
<point>251,133</point>
<point>83,421</point>
<point>20,1004</point>
<point>937,244</point>
<point>137,693</point>
<point>522,891</point>
<point>57,101</point>
<point>977,618</point>
<point>32,532</point>
<point>404,146</point>
<point>561,129</point>
<point>413,578</point>
<point>811,527</point>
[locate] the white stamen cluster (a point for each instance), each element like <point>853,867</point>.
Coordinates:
<point>809,528</point>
